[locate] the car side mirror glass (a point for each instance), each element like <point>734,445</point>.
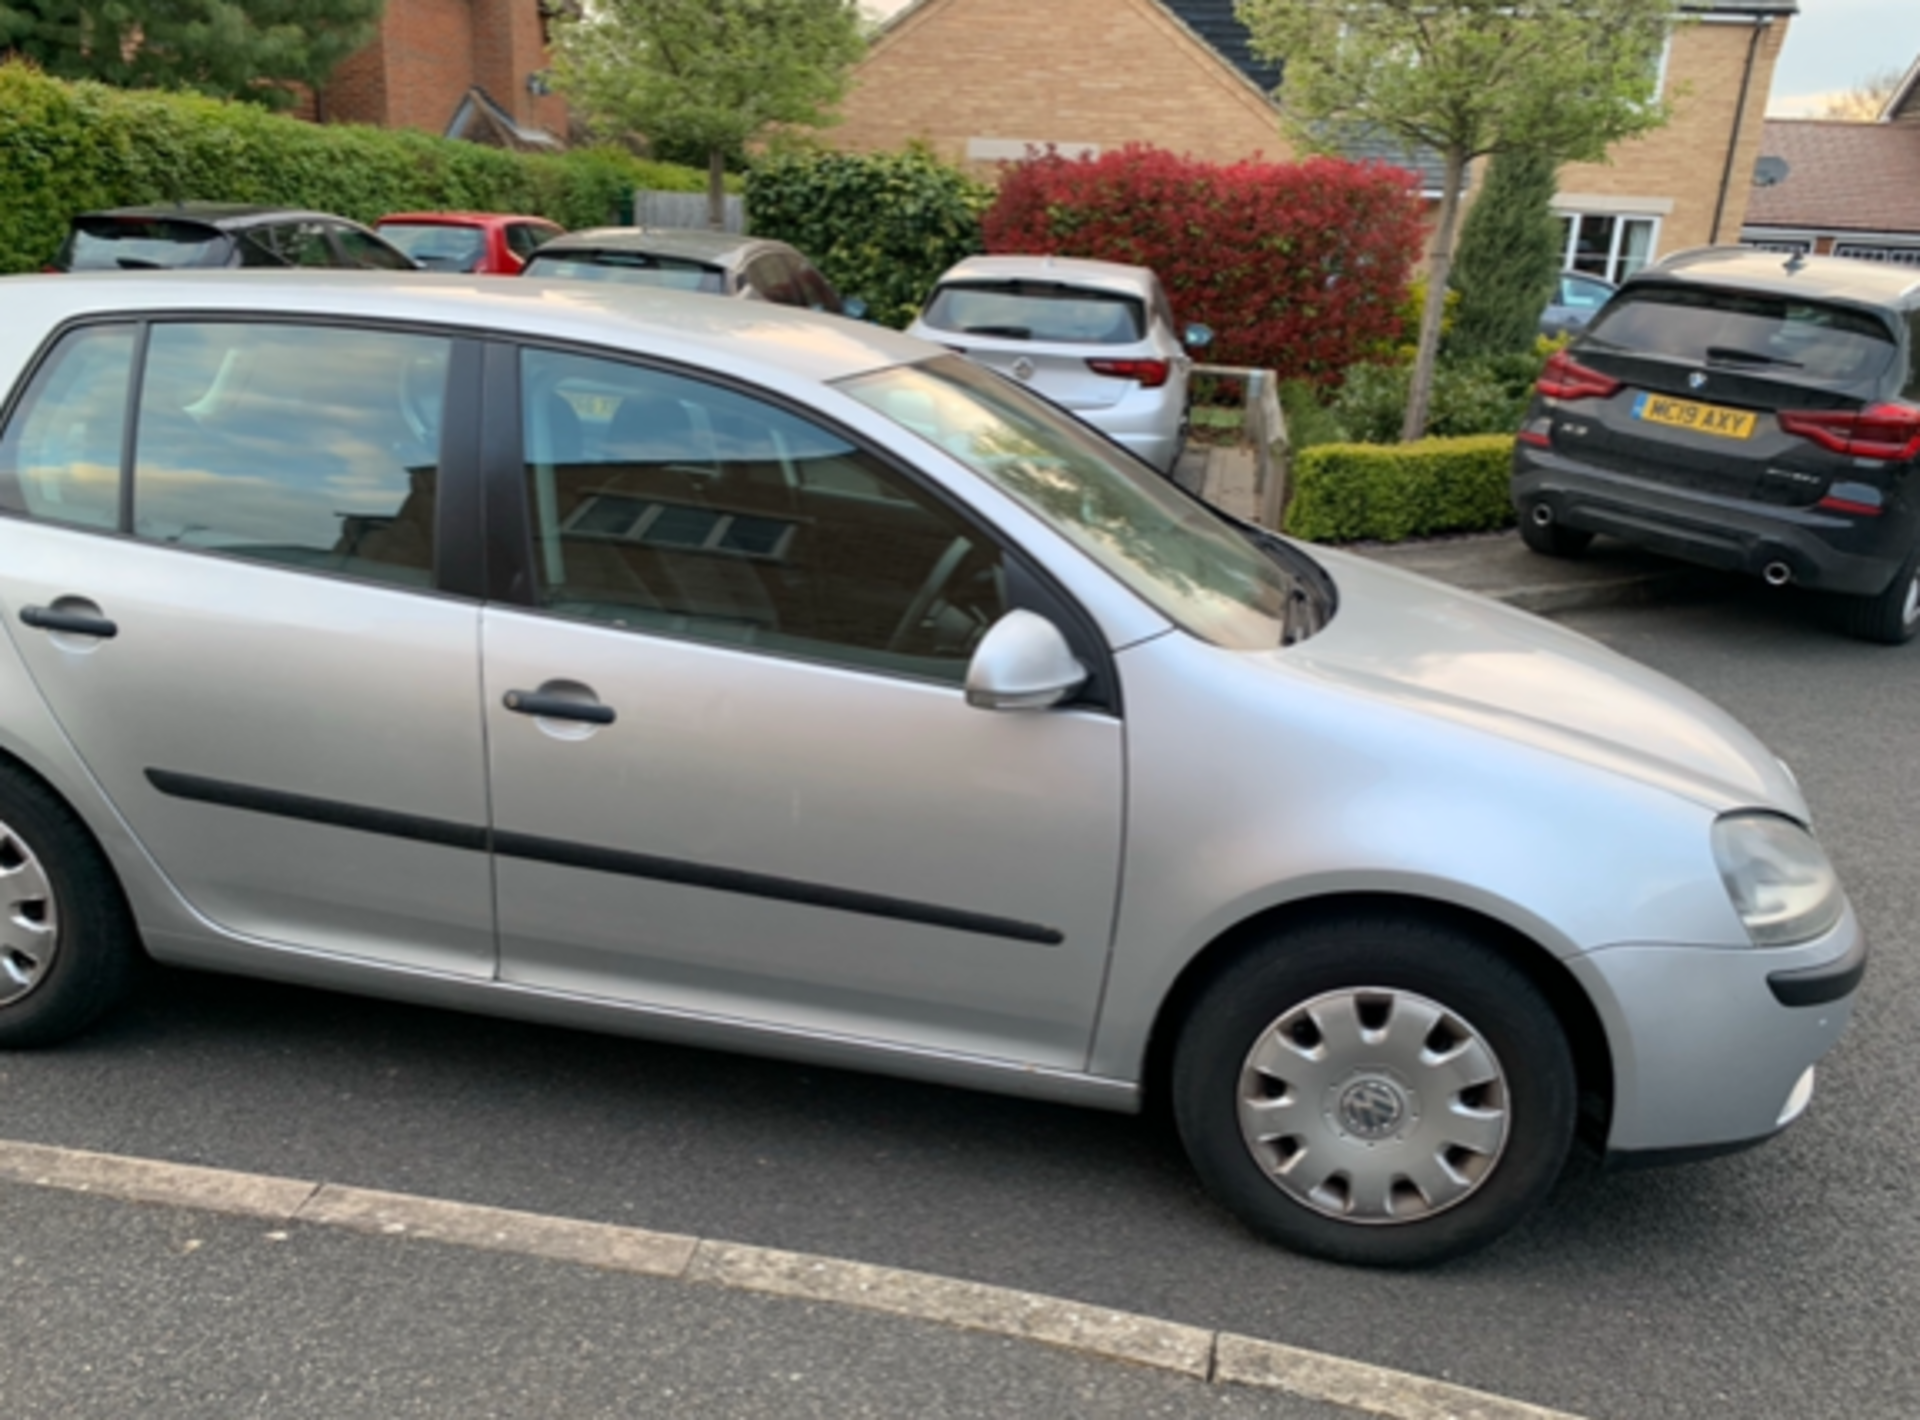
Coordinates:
<point>853,308</point>
<point>1022,663</point>
<point>1198,337</point>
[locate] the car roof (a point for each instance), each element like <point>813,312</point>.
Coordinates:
<point>746,338</point>
<point>1831,278</point>
<point>687,243</point>
<point>1070,270</point>
<point>464,219</point>
<point>213,214</point>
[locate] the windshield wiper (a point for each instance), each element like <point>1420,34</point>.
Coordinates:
<point>1729,353</point>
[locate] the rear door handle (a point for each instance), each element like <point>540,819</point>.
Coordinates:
<point>557,707</point>
<point>79,623</point>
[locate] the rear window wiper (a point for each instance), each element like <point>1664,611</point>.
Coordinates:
<point>1008,332</point>
<point>1734,355</point>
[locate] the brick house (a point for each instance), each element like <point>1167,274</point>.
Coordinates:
<point>1845,189</point>
<point>982,80</point>
<point>465,68</point>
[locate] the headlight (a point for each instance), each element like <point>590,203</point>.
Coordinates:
<point>1780,881</point>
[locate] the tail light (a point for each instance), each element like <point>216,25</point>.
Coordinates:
<point>1567,378</point>
<point>1151,374</point>
<point>1890,432</point>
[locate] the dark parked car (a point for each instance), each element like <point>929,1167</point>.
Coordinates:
<point>718,263</point>
<point>220,234</point>
<point>1748,411</point>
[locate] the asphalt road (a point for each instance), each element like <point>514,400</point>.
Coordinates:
<point>1782,1284</point>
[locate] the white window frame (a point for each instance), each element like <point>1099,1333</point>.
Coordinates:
<point>1620,219</point>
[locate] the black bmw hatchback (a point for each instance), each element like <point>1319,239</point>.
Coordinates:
<point>1743,410</point>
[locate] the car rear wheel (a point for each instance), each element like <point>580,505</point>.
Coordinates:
<point>1375,1090</point>
<point>66,942</point>
<point>1893,616</point>
<point>1553,539</point>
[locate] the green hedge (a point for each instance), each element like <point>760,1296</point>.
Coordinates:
<point>1387,492</point>
<point>67,148</point>
<point>880,226</point>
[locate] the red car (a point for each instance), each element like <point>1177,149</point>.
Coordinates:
<point>485,242</point>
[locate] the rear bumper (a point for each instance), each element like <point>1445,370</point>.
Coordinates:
<point>1834,552</point>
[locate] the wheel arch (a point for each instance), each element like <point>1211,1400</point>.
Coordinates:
<point>1573,1009</point>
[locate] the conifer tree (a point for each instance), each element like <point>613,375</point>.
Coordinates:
<point>1509,258</point>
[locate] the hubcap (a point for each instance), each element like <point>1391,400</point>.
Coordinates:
<point>1373,1105</point>
<point>29,925</point>
<point>1910,613</point>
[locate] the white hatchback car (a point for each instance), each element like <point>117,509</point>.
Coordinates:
<point>1095,337</point>
<point>751,678</point>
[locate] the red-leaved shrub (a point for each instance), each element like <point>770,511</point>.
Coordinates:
<point>1298,267</point>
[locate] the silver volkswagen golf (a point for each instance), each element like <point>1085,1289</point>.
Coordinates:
<point>754,679</point>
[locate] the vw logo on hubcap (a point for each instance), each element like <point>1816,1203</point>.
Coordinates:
<point>1371,1108</point>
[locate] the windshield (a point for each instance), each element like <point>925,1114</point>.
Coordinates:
<point>142,243</point>
<point>630,268</point>
<point>438,246</point>
<point>1194,568</point>
<point>1812,343</point>
<point>1032,310</point>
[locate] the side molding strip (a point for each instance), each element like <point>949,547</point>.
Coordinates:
<point>561,853</point>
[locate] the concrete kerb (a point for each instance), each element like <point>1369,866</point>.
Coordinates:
<point>1202,1355</point>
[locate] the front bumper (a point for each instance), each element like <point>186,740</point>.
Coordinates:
<point>1709,1053</point>
<point>1829,551</point>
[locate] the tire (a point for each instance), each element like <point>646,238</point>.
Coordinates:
<point>1554,539</point>
<point>1361,1144</point>
<point>1893,617</point>
<point>66,939</point>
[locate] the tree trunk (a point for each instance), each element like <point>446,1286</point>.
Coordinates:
<point>1439,270</point>
<point>716,189</point>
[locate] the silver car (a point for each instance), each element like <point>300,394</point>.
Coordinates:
<point>1095,337</point>
<point>750,678</point>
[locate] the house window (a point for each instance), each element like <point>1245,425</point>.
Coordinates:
<point>1608,246</point>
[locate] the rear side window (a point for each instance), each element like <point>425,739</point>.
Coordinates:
<point>308,447</point>
<point>141,244</point>
<point>60,454</point>
<point>1028,310</point>
<point>630,268</point>
<point>438,246</point>
<point>1803,341</point>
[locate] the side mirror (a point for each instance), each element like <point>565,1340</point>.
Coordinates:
<point>1198,337</point>
<point>1022,663</point>
<point>853,308</point>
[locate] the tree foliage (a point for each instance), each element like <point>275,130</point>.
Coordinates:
<point>707,76</point>
<point>1467,79</point>
<point>1298,267</point>
<point>235,49</point>
<point>1509,258</point>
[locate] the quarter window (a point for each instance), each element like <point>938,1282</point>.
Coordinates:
<point>60,455</point>
<point>668,505</point>
<point>315,448</point>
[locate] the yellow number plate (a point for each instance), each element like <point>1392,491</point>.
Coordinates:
<point>1689,414</point>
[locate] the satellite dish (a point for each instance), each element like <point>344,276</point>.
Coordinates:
<point>1767,172</point>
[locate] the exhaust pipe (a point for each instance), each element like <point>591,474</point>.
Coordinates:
<point>1542,514</point>
<point>1777,574</point>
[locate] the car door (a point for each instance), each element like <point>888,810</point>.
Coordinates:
<point>233,612</point>
<point>734,772</point>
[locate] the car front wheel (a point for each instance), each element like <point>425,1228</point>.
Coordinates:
<point>1382,1091</point>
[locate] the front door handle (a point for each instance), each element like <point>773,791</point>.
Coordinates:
<point>557,707</point>
<point>78,623</point>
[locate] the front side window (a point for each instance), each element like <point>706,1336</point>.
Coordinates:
<point>60,454</point>
<point>524,239</point>
<point>1193,568</point>
<point>361,249</point>
<point>1038,310</point>
<point>307,447</point>
<point>665,504</point>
